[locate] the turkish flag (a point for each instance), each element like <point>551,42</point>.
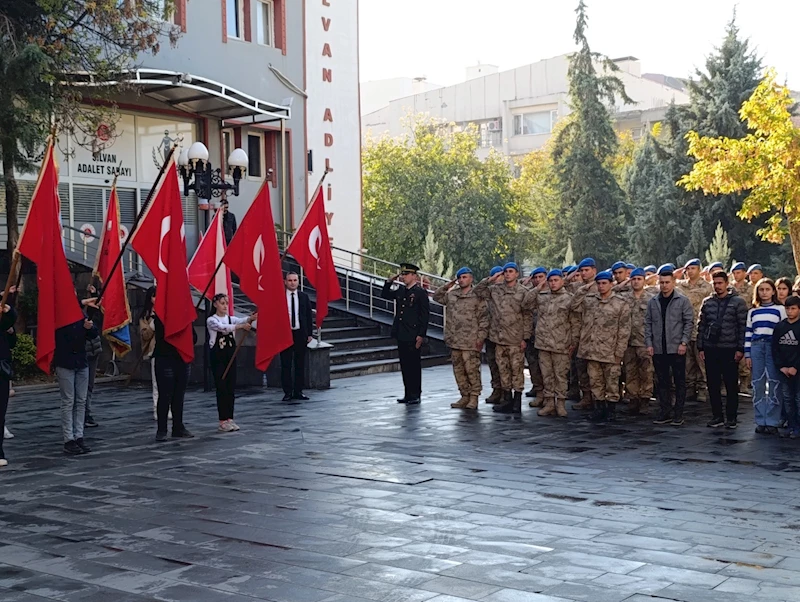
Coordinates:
<point>208,255</point>
<point>253,255</point>
<point>160,240</point>
<point>41,242</point>
<point>311,247</point>
<point>116,311</point>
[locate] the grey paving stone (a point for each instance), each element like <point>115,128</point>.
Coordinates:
<point>514,595</point>
<point>459,587</point>
<point>676,575</point>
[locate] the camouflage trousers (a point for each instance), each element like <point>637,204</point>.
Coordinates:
<point>578,378</point>
<point>491,359</point>
<point>555,374</point>
<point>695,370</point>
<point>604,380</point>
<point>532,355</point>
<point>638,373</point>
<point>511,363</point>
<point>467,370</point>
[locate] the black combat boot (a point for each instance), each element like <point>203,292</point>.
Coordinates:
<point>612,411</point>
<point>517,407</point>
<point>507,406</point>
<point>600,413</point>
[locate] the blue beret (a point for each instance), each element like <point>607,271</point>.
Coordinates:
<point>567,268</point>
<point>666,270</point>
<point>555,272</point>
<point>620,265</point>
<point>463,271</point>
<point>637,272</point>
<point>692,262</point>
<point>672,265</point>
<point>650,269</point>
<point>495,270</point>
<point>630,266</point>
<point>604,276</point>
<point>739,265</point>
<point>571,269</point>
<point>755,266</point>
<point>539,270</point>
<point>717,265</point>
<point>587,263</point>
<point>511,266</point>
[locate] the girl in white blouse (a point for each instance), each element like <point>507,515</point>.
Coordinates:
<point>221,327</point>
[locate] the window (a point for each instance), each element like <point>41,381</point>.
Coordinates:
<point>255,155</point>
<point>234,17</point>
<point>265,22</point>
<point>540,122</point>
<point>227,143</point>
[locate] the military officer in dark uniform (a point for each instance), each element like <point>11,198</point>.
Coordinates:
<point>409,328</point>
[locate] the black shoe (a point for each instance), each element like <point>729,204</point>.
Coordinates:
<point>516,406</point>
<point>730,425</point>
<point>772,430</point>
<point>761,430</point>
<point>414,401</point>
<point>506,406</point>
<point>612,411</point>
<point>715,423</point>
<point>84,448</point>
<point>183,433</point>
<point>300,396</point>
<point>161,436</point>
<point>531,393</point>
<point>71,448</point>
<point>663,419</point>
<point>403,399</point>
<point>287,397</point>
<point>600,413</point>
<point>89,422</point>
<point>677,421</point>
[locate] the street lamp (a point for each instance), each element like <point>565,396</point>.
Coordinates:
<point>208,181</point>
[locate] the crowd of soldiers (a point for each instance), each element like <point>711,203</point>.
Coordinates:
<point>581,331</point>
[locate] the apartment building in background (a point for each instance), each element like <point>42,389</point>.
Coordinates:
<point>277,78</point>
<point>516,110</point>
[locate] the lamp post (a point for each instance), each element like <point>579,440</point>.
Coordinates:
<point>200,176</point>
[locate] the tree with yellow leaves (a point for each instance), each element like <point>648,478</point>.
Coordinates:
<point>765,163</point>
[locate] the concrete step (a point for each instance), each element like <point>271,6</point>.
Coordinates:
<point>364,354</point>
<point>361,342</point>
<point>378,366</point>
<point>338,322</point>
<point>331,334</point>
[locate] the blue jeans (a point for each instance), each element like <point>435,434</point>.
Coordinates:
<point>74,386</point>
<point>790,387</point>
<point>767,398</point>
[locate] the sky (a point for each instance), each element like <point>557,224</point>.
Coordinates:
<point>438,39</point>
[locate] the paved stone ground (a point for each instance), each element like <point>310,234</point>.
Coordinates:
<point>352,497</point>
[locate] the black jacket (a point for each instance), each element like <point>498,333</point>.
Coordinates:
<point>305,317</point>
<point>228,226</point>
<point>733,322</point>
<point>786,345</point>
<point>70,350</point>
<point>7,339</point>
<point>412,311</point>
<point>162,347</point>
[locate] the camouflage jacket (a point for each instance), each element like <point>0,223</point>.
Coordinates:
<point>575,287</point>
<point>466,317</point>
<point>745,291</point>
<point>510,312</point>
<point>605,327</point>
<point>638,311</point>
<point>557,327</point>
<point>696,293</point>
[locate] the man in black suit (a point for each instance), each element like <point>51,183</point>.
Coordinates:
<point>301,322</point>
<point>409,328</point>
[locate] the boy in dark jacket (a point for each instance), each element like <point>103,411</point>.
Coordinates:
<point>72,371</point>
<point>786,355</point>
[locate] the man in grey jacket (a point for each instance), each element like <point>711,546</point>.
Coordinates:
<point>668,326</point>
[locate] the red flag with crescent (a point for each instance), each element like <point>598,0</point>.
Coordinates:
<point>160,240</point>
<point>311,247</point>
<point>209,253</point>
<point>253,256</point>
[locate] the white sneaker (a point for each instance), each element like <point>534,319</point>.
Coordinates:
<point>234,425</point>
<point>7,434</point>
<point>3,462</point>
<point>225,427</point>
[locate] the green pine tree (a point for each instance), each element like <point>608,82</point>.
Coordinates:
<point>697,240</point>
<point>719,250</point>
<point>432,260</point>
<point>582,148</point>
<point>569,257</point>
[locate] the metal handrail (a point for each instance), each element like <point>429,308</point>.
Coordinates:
<point>74,243</point>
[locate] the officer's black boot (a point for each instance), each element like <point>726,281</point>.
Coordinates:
<point>600,413</point>
<point>517,407</point>
<point>612,411</point>
<point>507,406</point>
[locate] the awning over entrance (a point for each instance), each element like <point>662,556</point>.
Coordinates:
<point>191,93</point>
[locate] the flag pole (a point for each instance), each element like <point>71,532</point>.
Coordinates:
<point>210,280</point>
<point>11,278</point>
<point>235,352</point>
<point>135,225</point>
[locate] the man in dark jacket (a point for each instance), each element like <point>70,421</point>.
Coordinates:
<point>668,327</point>
<point>228,222</point>
<point>409,328</point>
<point>720,343</point>
<point>301,323</point>
<point>786,354</point>
<point>72,371</point>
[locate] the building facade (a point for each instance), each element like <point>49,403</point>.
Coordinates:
<point>240,77</point>
<point>516,110</point>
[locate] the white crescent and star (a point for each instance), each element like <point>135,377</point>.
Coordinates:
<point>315,243</point>
<point>166,224</point>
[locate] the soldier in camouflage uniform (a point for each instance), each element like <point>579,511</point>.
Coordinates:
<point>742,285</point>
<point>466,328</point>
<point>755,273</point>
<point>696,289</point>
<point>620,272</point>
<point>637,362</point>
<point>497,392</point>
<point>579,375</point>
<point>556,338</point>
<point>510,327</point>
<point>537,278</point>
<point>604,335</point>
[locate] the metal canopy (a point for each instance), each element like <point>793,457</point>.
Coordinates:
<point>191,93</point>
